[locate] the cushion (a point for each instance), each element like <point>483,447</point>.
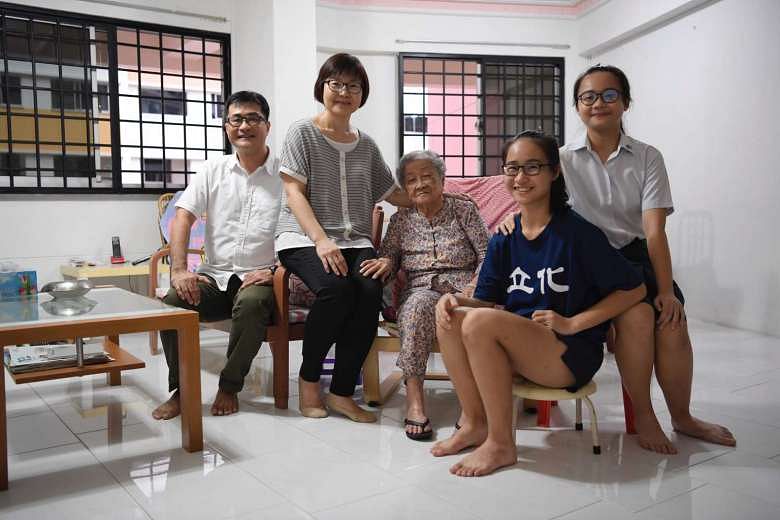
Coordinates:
<point>298,314</point>
<point>300,294</point>
<point>197,233</point>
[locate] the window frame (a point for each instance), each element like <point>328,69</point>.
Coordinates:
<point>484,60</point>
<point>111,26</point>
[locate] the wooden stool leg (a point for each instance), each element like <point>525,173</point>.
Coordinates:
<point>628,411</point>
<point>543,414</point>
<point>516,403</point>
<point>371,386</point>
<point>594,426</point>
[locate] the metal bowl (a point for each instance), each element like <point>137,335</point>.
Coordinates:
<point>67,289</point>
<point>69,306</point>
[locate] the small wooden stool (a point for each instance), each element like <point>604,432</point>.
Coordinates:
<point>524,389</point>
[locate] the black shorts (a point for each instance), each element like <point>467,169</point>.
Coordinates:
<point>637,255</point>
<point>582,357</point>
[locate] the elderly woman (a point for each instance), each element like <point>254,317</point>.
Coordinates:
<point>440,243</point>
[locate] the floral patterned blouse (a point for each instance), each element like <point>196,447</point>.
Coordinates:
<point>443,254</point>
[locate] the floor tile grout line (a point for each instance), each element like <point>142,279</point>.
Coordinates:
<point>100,462</point>
<point>598,501</point>
<point>700,486</point>
<point>704,461</point>
<point>365,497</point>
<point>72,443</point>
<point>374,495</point>
<point>94,456</point>
<point>749,386</point>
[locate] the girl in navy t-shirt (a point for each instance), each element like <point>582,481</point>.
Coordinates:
<point>559,281</point>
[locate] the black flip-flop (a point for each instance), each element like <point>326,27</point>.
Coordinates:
<point>421,436</point>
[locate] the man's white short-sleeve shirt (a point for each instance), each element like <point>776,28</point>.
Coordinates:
<point>240,210</point>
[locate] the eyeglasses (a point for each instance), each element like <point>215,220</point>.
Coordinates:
<point>531,169</point>
<point>251,119</point>
<point>337,86</point>
<point>609,95</point>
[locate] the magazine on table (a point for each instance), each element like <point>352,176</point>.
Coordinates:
<point>26,358</point>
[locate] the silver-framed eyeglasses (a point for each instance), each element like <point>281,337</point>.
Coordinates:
<point>529,169</point>
<point>589,97</point>
<point>338,86</point>
<point>251,119</point>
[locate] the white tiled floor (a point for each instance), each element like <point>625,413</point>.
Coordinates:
<point>65,461</point>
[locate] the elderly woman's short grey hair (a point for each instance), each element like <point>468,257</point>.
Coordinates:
<point>420,155</point>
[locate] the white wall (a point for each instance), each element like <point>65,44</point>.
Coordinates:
<point>705,95</point>
<point>371,35</point>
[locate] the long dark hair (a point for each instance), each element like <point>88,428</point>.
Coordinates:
<point>559,197</point>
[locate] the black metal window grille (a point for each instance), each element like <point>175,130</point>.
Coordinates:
<point>157,169</point>
<point>464,107</point>
<point>11,91</point>
<point>92,104</point>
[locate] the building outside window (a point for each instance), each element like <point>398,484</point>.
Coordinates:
<point>94,105</point>
<point>465,107</point>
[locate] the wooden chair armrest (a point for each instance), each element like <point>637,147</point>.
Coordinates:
<point>282,297</point>
<point>154,263</point>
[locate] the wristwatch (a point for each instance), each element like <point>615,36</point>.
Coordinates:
<point>273,269</point>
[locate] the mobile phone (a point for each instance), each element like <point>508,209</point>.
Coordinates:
<point>116,251</point>
<point>116,248</point>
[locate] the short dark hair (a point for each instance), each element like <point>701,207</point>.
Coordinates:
<point>625,88</point>
<point>338,65</point>
<point>248,96</point>
<point>559,197</point>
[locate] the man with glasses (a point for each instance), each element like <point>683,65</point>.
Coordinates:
<point>240,193</point>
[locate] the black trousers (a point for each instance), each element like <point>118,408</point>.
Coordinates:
<point>346,312</point>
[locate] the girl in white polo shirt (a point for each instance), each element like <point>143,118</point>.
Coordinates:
<point>621,185</point>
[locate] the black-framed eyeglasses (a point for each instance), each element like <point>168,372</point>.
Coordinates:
<point>251,119</point>
<point>609,95</point>
<point>531,169</point>
<point>338,86</point>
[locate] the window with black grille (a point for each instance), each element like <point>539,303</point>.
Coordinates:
<point>465,107</point>
<point>91,105</point>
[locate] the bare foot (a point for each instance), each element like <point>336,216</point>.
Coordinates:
<point>169,409</point>
<point>347,407</point>
<point>466,436</point>
<point>225,403</point>
<point>309,394</point>
<point>651,436</point>
<point>705,431</point>
<point>485,460</point>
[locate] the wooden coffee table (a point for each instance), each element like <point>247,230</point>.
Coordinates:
<point>105,312</point>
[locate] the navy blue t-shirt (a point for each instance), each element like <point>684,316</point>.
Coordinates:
<point>568,268</point>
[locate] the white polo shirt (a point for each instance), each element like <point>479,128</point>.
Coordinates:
<point>613,195</point>
<point>240,210</point>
